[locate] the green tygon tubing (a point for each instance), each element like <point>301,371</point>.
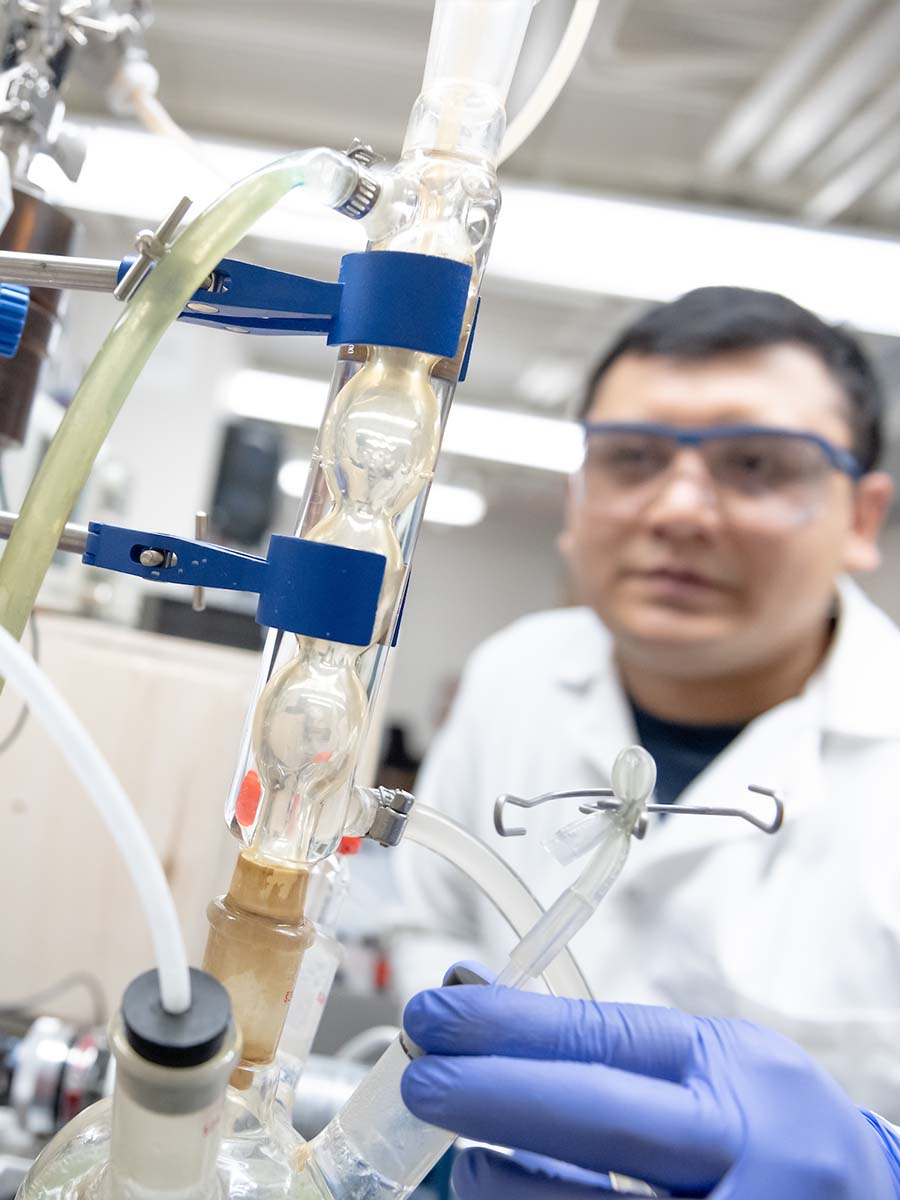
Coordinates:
<point>113,372</point>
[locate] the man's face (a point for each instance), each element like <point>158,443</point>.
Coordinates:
<point>682,581</point>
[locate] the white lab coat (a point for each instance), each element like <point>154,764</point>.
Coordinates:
<point>800,931</point>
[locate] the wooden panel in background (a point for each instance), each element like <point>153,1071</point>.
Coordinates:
<point>168,715</point>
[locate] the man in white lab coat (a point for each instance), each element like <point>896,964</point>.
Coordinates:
<point>728,490</point>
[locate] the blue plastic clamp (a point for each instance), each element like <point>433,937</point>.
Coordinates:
<point>309,588</point>
<point>259,299</point>
<point>391,298</point>
<point>382,298</point>
<point>14,298</point>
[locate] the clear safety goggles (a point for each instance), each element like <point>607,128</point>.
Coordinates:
<point>760,473</point>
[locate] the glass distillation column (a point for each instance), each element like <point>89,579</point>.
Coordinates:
<point>372,466</point>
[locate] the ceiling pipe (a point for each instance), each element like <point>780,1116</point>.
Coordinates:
<point>858,158</point>
<point>858,134</point>
<point>762,107</point>
<point>824,108</point>
<point>851,184</point>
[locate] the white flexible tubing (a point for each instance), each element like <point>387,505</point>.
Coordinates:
<point>554,80</point>
<point>156,118</point>
<point>130,836</point>
<point>498,882</point>
<point>133,92</point>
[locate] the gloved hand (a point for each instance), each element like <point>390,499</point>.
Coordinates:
<point>691,1105</point>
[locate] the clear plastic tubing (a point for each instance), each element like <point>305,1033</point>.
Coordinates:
<point>555,78</point>
<point>129,835</point>
<point>120,360</point>
<point>501,886</point>
<point>375,1148</point>
<point>570,911</point>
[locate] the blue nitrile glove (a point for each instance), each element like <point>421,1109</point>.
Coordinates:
<point>692,1105</point>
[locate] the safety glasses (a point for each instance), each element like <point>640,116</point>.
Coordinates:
<point>761,472</point>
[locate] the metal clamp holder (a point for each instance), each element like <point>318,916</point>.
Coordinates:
<point>391,815</point>
<point>201,533</point>
<point>151,245</point>
<point>605,800</point>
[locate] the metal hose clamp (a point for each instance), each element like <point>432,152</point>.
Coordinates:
<point>362,199</point>
<point>391,815</point>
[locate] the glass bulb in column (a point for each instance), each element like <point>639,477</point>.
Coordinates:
<point>377,449</point>
<point>378,446</point>
<point>305,732</point>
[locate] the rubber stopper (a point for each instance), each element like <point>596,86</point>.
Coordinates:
<point>349,845</point>
<point>176,1039</point>
<point>461,974</point>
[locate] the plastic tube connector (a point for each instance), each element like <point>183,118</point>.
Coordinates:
<point>135,79</point>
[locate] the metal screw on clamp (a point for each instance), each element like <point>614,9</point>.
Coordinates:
<point>151,245</point>
<point>152,557</point>
<point>201,530</point>
<point>363,153</point>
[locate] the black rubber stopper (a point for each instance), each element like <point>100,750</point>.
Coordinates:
<point>176,1039</point>
<point>460,974</point>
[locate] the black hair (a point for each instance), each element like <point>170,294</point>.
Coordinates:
<point>718,320</point>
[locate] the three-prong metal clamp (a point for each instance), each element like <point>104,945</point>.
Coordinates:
<point>605,800</point>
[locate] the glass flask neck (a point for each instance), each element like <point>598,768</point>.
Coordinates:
<point>256,942</point>
<point>166,1124</point>
<point>257,1093</point>
<point>328,886</point>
